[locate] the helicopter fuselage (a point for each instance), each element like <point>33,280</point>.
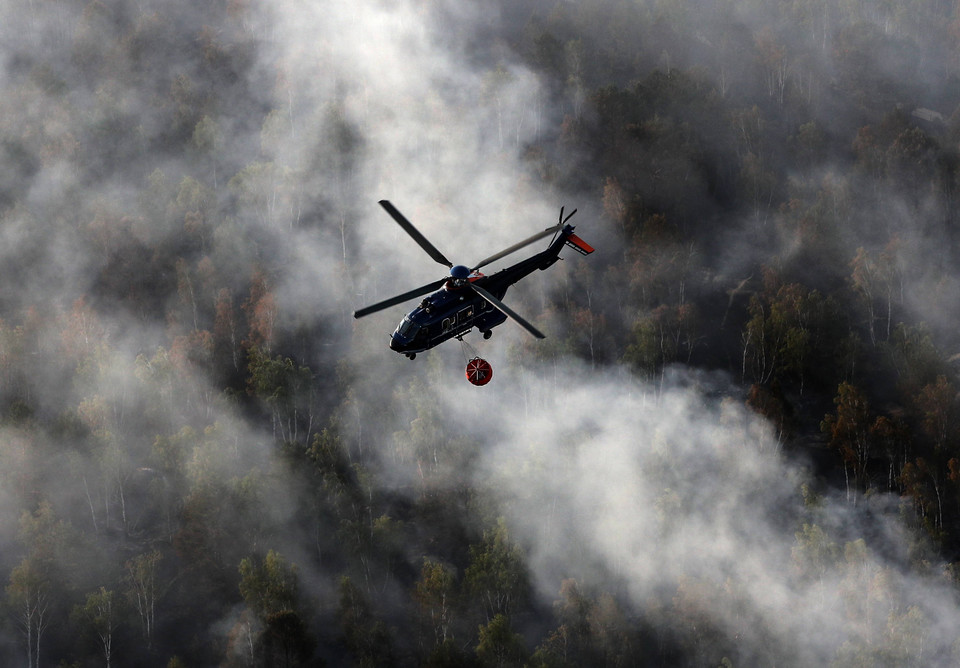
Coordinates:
<point>456,309</point>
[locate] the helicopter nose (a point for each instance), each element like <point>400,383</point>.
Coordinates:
<point>400,343</point>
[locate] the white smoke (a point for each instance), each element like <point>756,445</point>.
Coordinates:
<point>650,495</point>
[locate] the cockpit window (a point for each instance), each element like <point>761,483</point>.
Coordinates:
<point>408,328</point>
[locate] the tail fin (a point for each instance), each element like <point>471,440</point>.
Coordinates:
<point>579,245</point>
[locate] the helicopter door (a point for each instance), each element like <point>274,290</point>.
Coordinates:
<point>465,316</point>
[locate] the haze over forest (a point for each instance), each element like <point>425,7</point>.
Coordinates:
<point>738,445</point>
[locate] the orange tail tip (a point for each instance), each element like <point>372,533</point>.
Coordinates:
<point>579,245</point>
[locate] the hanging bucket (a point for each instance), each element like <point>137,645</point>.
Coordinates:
<point>479,371</point>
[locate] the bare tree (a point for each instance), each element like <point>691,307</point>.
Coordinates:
<point>28,593</point>
<point>145,590</point>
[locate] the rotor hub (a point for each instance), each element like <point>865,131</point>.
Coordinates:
<point>460,272</point>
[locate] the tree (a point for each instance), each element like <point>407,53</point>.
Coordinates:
<point>434,594</point>
<point>922,480</point>
<point>496,574</point>
<point>101,614</point>
<point>893,438</point>
<point>758,185</point>
<point>498,645</point>
<point>849,432</point>
<point>286,389</point>
<point>268,586</point>
<point>82,334</point>
<point>784,333</point>
<point>875,279</point>
<point>760,347</point>
<point>570,643</point>
<point>772,403</point>
<point>103,417</point>
<point>775,64</point>
<point>144,590</point>
<point>809,144</point>
<point>428,443</point>
<point>184,103</point>
<point>609,629</point>
<point>264,188</point>
<point>864,280</point>
<point>207,140</point>
<point>225,339</point>
<point>814,554</point>
<point>494,85</point>
<point>29,595</point>
<point>261,311</point>
<point>56,550</point>
<point>615,205</point>
<point>588,327</point>
<point>938,405</point>
<point>814,219</point>
<point>870,155</point>
<point>548,56</point>
<point>286,639</point>
<point>270,589</point>
<point>904,639</point>
<point>659,338</point>
<point>155,198</point>
<point>195,204</point>
<point>365,636</point>
<point>915,359</point>
<point>188,297</point>
<point>911,159</point>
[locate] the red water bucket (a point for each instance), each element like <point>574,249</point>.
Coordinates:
<point>479,371</point>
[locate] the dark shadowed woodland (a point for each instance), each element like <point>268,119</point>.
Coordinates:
<point>739,444</point>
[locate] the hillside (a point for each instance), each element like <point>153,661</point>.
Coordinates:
<point>739,443</point>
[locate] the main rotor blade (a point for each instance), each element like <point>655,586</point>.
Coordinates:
<point>415,233</point>
<point>515,247</point>
<point>399,299</point>
<point>506,310</point>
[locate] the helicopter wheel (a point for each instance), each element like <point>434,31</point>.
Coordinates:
<point>487,334</point>
<point>412,356</point>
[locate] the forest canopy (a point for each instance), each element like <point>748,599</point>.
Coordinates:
<point>739,443</point>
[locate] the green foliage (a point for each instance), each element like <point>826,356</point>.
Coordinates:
<point>785,336</point>
<point>285,388</point>
<point>499,645</point>
<point>270,589</point>
<point>29,597</point>
<point>145,588</point>
<point>332,463</point>
<point>101,615</point>
<point>814,553</point>
<point>366,637</point>
<point>497,573</point>
<point>435,595</point>
<point>913,356</point>
<point>666,336</point>
<point>449,654</point>
<point>849,431</point>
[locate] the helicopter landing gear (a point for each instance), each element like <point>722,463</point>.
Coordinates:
<point>411,356</point>
<point>487,334</point>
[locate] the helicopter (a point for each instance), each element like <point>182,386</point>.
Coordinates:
<point>466,298</point>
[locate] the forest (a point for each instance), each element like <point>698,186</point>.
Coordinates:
<point>739,444</point>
